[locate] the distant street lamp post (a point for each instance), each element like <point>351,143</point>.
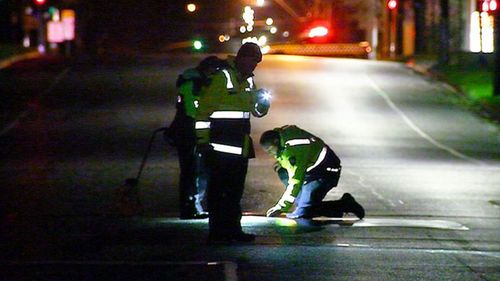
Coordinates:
<point>393,17</point>
<point>41,24</point>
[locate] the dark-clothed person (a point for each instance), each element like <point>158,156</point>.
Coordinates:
<point>193,175</point>
<point>223,131</point>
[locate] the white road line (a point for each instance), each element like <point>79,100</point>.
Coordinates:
<point>23,114</point>
<point>415,128</point>
<point>230,268</point>
<point>398,222</point>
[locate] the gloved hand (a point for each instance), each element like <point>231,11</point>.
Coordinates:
<point>274,211</point>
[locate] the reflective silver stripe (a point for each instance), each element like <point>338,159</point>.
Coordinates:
<point>329,169</point>
<point>297,142</point>
<point>229,83</point>
<point>250,84</point>
<point>230,114</point>
<point>196,103</point>
<point>257,110</point>
<point>321,157</point>
<point>227,148</point>
<point>179,99</point>
<point>202,125</point>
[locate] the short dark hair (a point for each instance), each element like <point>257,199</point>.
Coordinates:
<point>269,138</point>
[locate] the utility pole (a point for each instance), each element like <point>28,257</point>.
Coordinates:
<point>496,74</point>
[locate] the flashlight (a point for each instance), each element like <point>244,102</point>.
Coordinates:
<point>264,95</point>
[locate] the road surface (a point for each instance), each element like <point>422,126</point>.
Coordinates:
<point>426,171</point>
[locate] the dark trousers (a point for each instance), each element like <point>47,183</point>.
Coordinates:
<point>309,202</point>
<point>187,188</point>
<point>193,180</point>
<point>225,189</point>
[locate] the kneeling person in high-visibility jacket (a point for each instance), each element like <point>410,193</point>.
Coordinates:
<point>313,169</point>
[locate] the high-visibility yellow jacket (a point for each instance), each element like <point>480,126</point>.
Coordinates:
<point>223,115</point>
<point>305,157</point>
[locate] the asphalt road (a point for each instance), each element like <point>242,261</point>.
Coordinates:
<point>426,172</point>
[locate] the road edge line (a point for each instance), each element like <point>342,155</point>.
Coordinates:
<point>415,128</point>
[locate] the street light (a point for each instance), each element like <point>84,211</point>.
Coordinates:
<point>191,7</point>
<point>392,4</point>
<point>197,45</point>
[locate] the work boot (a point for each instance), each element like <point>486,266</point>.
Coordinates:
<point>351,206</point>
<point>188,210</point>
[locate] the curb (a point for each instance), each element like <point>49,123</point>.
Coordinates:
<point>13,59</point>
<point>483,110</point>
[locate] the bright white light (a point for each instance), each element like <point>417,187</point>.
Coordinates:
<point>486,6</point>
<point>249,28</point>
<point>487,32</point>
<point>250,39</point>
<point>493,5</point>
<point>262,40</point>
<point>243,29</point>
<point>286,34</point>
<point>318,32</point>
<point>197,44</point>
<point>260,3</point>
<point>191,7</point>
<point>273,30</point>
<point>265,49</point>
<point>227,37</point>
<point>248,15</point>
<point>481,34</point>
<point>267,95</point>
<point>26,41</point>
<point>269,21</point>
<point>474,35</point>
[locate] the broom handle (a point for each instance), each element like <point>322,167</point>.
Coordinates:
<point>143,162</point>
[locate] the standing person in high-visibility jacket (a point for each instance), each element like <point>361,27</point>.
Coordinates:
<point>223,130</point>
<point>313,169</point>
<point>193,174</point>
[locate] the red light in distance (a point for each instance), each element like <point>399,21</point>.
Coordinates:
<point>392,4</point>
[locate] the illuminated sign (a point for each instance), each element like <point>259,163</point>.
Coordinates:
<point>68,20</point>
<point>55,32</point>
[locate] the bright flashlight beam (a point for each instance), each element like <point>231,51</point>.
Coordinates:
<point>267,96</point>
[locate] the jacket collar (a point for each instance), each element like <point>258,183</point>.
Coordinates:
<point>231,61</point>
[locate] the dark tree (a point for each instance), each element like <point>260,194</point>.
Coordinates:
<point>444,49</point>
<point>496,77</point>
